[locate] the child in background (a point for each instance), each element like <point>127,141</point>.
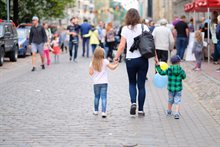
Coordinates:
<point>56,48</point>
<point>47,52</point>
<point>175,76</point>
<point>98,72</point>
<point>197,50</point>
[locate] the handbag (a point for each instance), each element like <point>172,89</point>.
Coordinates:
<point>144,43</point>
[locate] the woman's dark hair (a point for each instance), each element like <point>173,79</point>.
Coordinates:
<point>132,17</point>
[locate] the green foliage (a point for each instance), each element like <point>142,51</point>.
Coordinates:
<point>2,9</point>
<point>41,8</point>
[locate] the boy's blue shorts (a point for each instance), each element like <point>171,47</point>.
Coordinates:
<point>175,97</point>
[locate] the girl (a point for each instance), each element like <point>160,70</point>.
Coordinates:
<point>110,40</point>
<point>47,49</point>
<point>197,50</point>
<point>99,74</point>
<point>56,48</point>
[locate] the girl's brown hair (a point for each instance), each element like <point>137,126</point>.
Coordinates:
<point>109,27</point>
<point>97,61</point>
<point>132,17</point>
<point>198,36</point>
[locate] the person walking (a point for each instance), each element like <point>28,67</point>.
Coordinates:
<point>197,50</point>
<point>94,38</point>
<point>136,65</point>
<point>182,36</point>
<point>46,45</point>
<point>37,39</point>
<point>164,40</point>
<point>85,28</point>
<point>73,31</point>
<point>176,75</point>
<point>98,70</point>
<point>110,40</point>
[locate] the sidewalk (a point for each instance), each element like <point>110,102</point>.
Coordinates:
<point>53,108</point>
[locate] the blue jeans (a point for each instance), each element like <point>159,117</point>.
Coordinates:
<point>100,90</point>
<point>75,45</point>
<point>137,70</point>
<point>94,47</point>
<point>85,46</point>
<point>181,44</point>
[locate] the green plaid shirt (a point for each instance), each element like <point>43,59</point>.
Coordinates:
<point>175,76</point>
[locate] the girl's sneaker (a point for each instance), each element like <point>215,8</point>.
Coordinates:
<point>133,109</point>
<point>95,112</point>
<point>141,113</point>
<point>104,115</point>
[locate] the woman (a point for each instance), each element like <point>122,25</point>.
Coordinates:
<point>110,40</point>
<point>164,40</point>
<point>137,66</point>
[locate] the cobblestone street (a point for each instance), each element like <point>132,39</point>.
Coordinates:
<point>53,108</point>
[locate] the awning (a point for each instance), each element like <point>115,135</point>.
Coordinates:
<point>203,5</point>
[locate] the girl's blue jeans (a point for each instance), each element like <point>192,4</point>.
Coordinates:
<point>100,91</point>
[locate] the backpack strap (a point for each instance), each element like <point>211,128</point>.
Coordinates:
<point>142,28</point>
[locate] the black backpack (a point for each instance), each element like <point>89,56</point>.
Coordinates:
<point>144,43</point>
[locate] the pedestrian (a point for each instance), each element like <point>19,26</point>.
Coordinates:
<point>197,50</point>
<point>207,38</point>
<point>99,73</point>
<point>191,25</point>
<point>62,39</point>
<point>73,31</point>
<point>102,34</point>
<point>136,65</point>
<point>85,28</point>
<point>152,26</point>
<point>164,40</point>
<point>182,36</point>
<point>175,76</point>
<point>47,44</point>
<point>94,38</point>
<point>110,40</point>
<point>56,48</point>
<point>37,39</point>
<point>218,38</point>
<point>213,28</point>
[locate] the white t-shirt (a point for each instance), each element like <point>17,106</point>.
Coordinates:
<point>129,34</point>
<point>101,77</point>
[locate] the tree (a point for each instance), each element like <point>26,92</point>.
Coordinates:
<point>23,10</point>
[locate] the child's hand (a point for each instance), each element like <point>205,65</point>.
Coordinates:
<point>156,61</point>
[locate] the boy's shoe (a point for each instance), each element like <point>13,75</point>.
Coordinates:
<point>141,113</point>
<point>95,112</point>
<point>133,109</point>
<point>33,69</point>
<point>70,58</point>
<point>104,115</point>
<point>177,116</point>
<point>169,113</point>
<point>42,66</point>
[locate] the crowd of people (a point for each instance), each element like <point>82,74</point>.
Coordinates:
<point>104,38</point>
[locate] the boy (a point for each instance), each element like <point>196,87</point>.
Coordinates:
<point>175,76</point>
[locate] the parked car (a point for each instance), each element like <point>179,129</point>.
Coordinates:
<point>23,36</point>
<point>8,41</point>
